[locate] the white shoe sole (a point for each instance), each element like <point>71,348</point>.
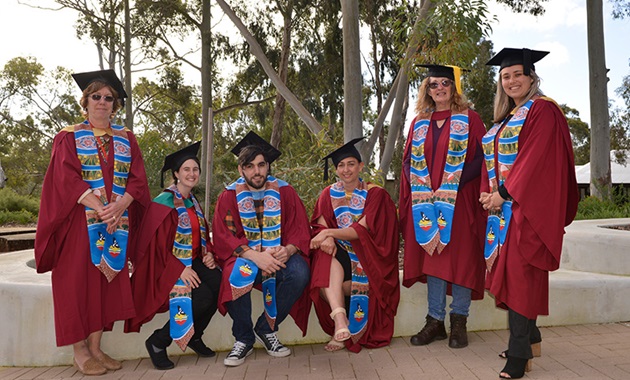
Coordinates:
<point>272,353</point>
<point>236,362</point>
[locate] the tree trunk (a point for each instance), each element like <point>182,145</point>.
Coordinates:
<point>352,94</point>
<point>257,51</point>
<point>278,112</point>
<point>206,102</point>
<point>127,64</point>
<point>206,93</point>
<point>402,79</point>
<point>396,124</point>
<point>598,81</point>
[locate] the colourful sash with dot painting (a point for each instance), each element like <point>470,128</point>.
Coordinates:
<point>507,146</point>
<point>433,211</point>
<point>348,211</point>
<point>108,252</point>
<point>259,239</point>
<point>180,297</point>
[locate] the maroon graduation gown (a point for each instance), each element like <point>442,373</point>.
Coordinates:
<point>84,302</point>
<point>377,250</point>
<point>295,230</point>
<point>157,269</point>
<point>461,262</point>
<point>545,196</point>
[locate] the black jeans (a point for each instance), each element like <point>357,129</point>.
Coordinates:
<point>523,333</point>
<point>204,304</point>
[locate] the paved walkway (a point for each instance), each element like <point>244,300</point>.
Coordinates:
<point>573,352</point>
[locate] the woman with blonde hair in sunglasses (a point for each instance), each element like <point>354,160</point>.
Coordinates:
<point>440,218</point>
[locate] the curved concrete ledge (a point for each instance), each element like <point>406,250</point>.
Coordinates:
<point>27,311</point>
<point>590,247</point>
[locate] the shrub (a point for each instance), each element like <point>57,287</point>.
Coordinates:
<point>594,208</point>
<point>16,208</point>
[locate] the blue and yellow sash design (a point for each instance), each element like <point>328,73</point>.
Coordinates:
<point>107,251</point>
<point>259,239</point>
<point>347,211</point>
<point>499,221</point>
<point>180,297</point>
<point>433,211</point>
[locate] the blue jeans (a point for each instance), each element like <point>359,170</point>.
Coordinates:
<point>290,283</point>
<point>436,295</point>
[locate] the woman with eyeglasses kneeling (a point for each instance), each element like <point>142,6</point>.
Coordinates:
<point>93,198</point>
<point>441,220</point>
<point>530,192</point>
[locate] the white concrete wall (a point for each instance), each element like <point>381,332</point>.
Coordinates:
<point>27,334</point>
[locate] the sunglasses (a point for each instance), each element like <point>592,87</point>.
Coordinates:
<point>97,97</point>
<point>445,83</point>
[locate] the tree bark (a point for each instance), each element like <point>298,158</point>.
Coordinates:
<point>257,51</point>
<point>352,94</point>
<point>127,69</point>
<point>278,112</point>
<point>600,129</point>
<point>206,94</point>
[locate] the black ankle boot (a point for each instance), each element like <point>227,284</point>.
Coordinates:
<point>200,348</point>
<point>459,337</point>
<point>432,330</point>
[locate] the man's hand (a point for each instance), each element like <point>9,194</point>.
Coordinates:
<point>329,246</point>
<point>208,260</point>
<point>265,261</point>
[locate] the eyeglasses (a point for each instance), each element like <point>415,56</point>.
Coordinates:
<point>445,83</point>
<point>97,97</point>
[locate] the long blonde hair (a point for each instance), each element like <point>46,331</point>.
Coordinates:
<point>425,104</point>
<point>503,104</point>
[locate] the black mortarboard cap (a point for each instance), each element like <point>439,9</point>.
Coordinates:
<point>174,160</point>
<point>106,76</point>
<point>347,150</point>
<point>510,57</point>
<point>440,71</point>
<point>251,138</point>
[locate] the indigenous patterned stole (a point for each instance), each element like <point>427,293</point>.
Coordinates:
<point>348,211</point>
<point>180,301</point>
<point>507,148</point>
<point>259,239</point>
<point>108,251</point>
<point>433,211</point>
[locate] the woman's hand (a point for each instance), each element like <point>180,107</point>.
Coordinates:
<point>317,241</point>
<point>190,278</point>
<point>329,246</point>
<point>208,260</point>
<point>491,201</point>
<point>113,211</point>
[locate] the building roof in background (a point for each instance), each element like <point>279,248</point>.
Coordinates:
<point>619,173</point>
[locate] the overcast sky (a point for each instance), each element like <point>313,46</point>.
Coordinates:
<point>50,37</point>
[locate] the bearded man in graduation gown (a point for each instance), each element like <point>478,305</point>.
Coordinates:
<point>355,257</point>
<point>261,236</point>
<point>93,199</point>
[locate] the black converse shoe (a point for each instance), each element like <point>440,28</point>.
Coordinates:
<point>238,354</point>
<point>273,345</point>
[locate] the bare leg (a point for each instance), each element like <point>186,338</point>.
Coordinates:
<point>94,343</point>
<point>334,295</point>
<point>81,352</point>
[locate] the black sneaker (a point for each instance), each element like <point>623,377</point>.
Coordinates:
<point>273,345</point>
<point>158,356</point>
<point>200,348</point>
<point>238,354</point>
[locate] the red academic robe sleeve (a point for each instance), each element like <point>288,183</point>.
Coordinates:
<point>377,250</point>
<point>295,230</point>
<point>157,270</point>
<point>542,184</point>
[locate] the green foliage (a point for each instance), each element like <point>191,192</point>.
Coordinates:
<point>533,7</point>
<point>480,84</point>
<point>621,8</point>
<point>580,135</point>
<point>16,208</point>
<point>594,208</point>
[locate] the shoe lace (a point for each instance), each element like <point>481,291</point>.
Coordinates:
<point>238,348</point>
<point>274,342</point>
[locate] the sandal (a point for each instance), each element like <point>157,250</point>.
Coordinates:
<point>334,345</point>
<point>342,330</point>
<point>515,368</point>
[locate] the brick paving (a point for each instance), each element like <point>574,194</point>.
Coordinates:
<point>600,351</point>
